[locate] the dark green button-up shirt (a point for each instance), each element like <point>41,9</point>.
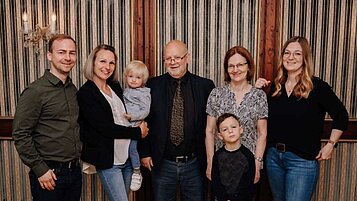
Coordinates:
<point>45,125</point>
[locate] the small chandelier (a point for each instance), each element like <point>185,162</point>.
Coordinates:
<point>33,37</point>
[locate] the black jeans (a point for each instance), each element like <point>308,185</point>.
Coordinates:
<point>68,185</point>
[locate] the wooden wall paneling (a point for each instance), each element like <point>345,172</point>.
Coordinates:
<point>144,30</point>
<point>138,29</point>
<point>262,40</point>
<point>6,127</point>
<point>144,26</point>
<point>269,38</point>
<point>150,14</point>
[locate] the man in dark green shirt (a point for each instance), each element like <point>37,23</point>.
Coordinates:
<point>45,128</point>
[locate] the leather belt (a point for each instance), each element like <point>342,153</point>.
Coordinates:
<point>69,164</point>
<point>181,159</point>
<point>281,147</point>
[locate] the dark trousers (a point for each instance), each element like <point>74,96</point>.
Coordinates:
<point>172,176</point>
<point>68,185</point>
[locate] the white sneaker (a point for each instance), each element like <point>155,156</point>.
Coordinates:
<point>136,180</point>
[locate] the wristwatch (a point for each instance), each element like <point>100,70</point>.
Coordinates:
<point>334,144</point>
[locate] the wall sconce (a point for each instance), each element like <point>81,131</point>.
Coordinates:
<point>33,37</point>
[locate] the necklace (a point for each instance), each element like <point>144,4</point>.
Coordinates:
<point>289,87</point>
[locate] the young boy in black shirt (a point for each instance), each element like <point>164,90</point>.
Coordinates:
<point>233,167</point>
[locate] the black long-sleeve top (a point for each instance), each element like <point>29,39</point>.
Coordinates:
<point>97,127</point>
<point>299,122</point>
<point>233,174</point>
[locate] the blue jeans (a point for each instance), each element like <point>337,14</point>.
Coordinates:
<point>116,181</point>
<point>133,154</point>
<point>68,185</point>
<point>291,177</point>
<point>170,175</point>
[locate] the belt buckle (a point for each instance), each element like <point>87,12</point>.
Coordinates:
<point>70,164</point>
<point>179,158</point>
<point>280,147</point>
<point>73,163</point>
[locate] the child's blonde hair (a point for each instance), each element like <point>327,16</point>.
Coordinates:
<point>139,67</point>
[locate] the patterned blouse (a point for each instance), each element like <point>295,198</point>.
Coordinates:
<point>253,107</point>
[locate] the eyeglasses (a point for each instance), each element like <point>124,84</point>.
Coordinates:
<point>296,55</point>
<point>176,59</point>
<point>231,67</point>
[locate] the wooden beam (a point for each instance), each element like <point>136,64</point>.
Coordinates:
<point>144,50</point>
<point>269,37</point>
<point>6,127</point>
<point>144,33</point>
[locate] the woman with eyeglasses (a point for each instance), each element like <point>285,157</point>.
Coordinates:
<point>238,97</point>
<point>104,129</point>
<point>298,103</point>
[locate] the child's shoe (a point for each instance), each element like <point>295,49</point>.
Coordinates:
<point>136,180</point>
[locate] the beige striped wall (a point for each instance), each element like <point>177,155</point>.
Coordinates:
<point>338,176</point>
<point>15,184</point>
<point>337,182</point>
<point>89,22</point>
<point>331,28</point>
<point>209,28</point>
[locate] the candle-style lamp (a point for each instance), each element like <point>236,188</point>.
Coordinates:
<point>53,23</point>
<point>26,23</point>
<point>33,37</point>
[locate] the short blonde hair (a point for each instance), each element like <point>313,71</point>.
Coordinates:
<point>139,67</point>
<point>89,65</point>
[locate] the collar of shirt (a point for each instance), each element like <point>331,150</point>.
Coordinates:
<point>184,79</point>
<point>55,80</point>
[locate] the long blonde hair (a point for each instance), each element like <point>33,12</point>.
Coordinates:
<point>304,83</point>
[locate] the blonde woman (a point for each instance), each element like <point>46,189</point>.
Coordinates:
<point>105,131</point>
<point>298,102</point>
